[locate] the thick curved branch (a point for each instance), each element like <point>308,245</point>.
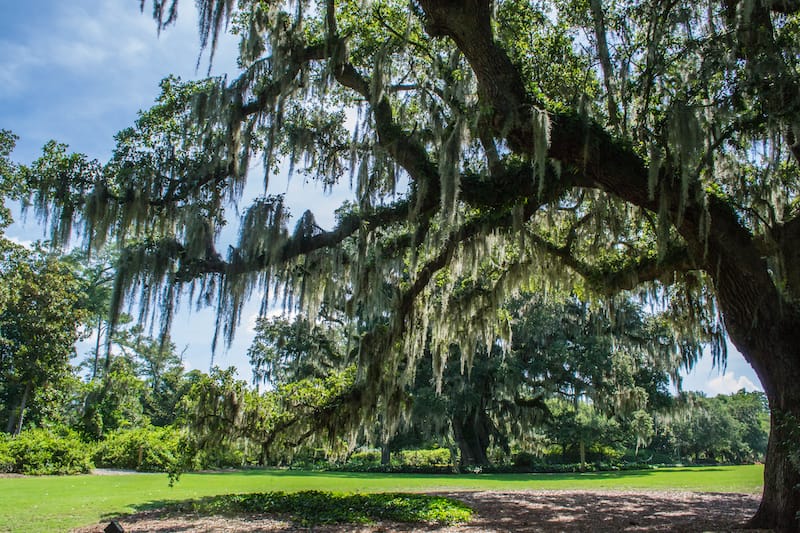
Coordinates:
<point>270,92</point>
<point>409,154</point>
<point>611,278</point>
<point>294,246</point>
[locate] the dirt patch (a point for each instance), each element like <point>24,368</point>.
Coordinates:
<point>112,472</point>
<point>523,511</point>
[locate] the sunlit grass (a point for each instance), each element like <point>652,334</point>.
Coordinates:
<point>59,503</point>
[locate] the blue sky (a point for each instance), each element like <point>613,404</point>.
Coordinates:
<point>79,71</point>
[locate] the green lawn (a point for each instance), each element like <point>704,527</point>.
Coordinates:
<point>54,503</point>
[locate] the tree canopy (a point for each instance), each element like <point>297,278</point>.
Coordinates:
<point>40,320</point>
<point>495,145</point>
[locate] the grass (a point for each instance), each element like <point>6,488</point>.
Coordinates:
<point>57,503</point>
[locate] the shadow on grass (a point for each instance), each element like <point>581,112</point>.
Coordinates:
<point>597,511</point>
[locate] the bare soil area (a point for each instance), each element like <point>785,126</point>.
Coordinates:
<point>522,511</point>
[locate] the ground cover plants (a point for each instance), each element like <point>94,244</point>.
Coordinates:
<point>312,507</point>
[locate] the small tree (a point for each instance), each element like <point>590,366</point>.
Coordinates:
<point>39,324</point>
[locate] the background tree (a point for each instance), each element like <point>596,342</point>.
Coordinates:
<point>672,163</point>
<point>751,413</point>
<point>39,325</point>
<point>221,410</point>
<point>97,278</point>
<point>10,180</point>
<point>284,351</point>
<point>566,349</point>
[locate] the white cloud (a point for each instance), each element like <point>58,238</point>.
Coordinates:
<point>728,383</point>
<point>22,242</point>
<point>273,312</point>
<point>17,59</point>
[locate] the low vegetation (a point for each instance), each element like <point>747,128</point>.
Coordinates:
<point>313,507</point>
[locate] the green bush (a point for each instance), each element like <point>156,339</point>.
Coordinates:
<point>226,455</point>
<point>365,458</point>
<point>435,457</point>
<point>596,452</point>
<point>6,459</point>
<point>147,449</point>
<point>396,469</point>
<point>525,460</point>
<point>42,451</point>
<point>316,507</point>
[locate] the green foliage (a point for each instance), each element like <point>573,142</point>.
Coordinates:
<point>40,317</point>
<point>436,457</point>
<point>45,452</point>
<point>310,508</point>
<point>401,459</point>
<point>10,182</point>
<point>365,458</point>
<point>545,51</point>
<point>221,411</point>
<point>727,428</point>
<point>146,449</point>
<point>115,402</point>
<point>284,351</point>
<point>7,462</point>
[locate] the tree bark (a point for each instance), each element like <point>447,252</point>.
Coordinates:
<point>763,326</point>
<point>20,418</point>
<point>97,348</point>
<point>386,455</point>
<point>473,441</point>
<point>779,506</point>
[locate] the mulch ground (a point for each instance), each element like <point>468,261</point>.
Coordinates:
<point>521,511</point>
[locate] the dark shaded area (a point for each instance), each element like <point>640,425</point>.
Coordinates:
<point>608,511</point>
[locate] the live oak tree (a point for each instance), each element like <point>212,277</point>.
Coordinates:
<point>647,146</point>
<point>563,349</point>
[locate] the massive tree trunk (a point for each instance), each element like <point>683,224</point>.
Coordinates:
<point>472,437</point>
<point>780,502</point>
<point>763,323</point>
<point>16,420</point>
<point>769,342</point>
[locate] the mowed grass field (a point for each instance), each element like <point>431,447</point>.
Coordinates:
<point>58,503</point>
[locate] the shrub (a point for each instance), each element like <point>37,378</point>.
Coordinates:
<point>41,451</point>
<point>316,507</point>
<point>435,457</point>
<point>226,455</point>
<point>525,460</point>
<point>147,449</point>
<point>6,459</point>
<point>396,469</point>
<point>365,458</point>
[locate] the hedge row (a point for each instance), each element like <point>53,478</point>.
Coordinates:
<point>63,451</point>
<point>40,451</point>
